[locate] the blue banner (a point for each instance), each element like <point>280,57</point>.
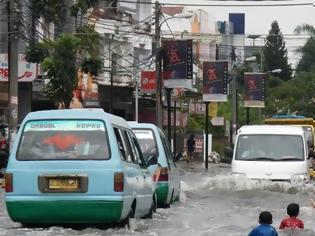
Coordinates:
<point>177,59</point>
<point>254,84</point>
<point>215,78</point>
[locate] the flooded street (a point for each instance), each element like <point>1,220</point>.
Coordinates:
<point>212,203</point>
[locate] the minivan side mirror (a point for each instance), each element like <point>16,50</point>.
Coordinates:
<point>152,160</point>
<point>228,152</point>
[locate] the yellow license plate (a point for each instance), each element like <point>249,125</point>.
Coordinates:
<point>63,184</point>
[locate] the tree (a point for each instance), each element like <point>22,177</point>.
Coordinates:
<point>307,62</point>
<point>63,56</point>
<point>61,70</point>
<point>275,53</point>
<point>296,95</point>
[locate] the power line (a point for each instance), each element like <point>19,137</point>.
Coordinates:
<point>225,5</point>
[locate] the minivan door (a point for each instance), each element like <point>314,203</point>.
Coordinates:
<point>173,175</point>
<point>136,179</point>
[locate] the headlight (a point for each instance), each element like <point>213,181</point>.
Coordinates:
<point>239,175</point>
<point>300,178</point>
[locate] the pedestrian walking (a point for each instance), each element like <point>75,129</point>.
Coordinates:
<point>265,228</point>
<point>190,146</point>
<point>292,221</point>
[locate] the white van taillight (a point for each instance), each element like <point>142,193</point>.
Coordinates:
<point>8,182</point>
<point>119,182</point>
<point>163,175</point>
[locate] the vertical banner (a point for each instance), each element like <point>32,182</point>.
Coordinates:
<point>148,82</point>
<point>215,78</point>
<point>177,63</point>
<point>254,89</point>
<point>213,109</point>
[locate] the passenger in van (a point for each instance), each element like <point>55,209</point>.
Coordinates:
<point>292,221</point>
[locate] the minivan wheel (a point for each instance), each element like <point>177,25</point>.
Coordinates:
<point>126,221</point>
<point>152,210</point>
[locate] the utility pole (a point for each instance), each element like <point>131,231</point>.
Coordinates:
<point>13,48</point>
<point>112,72</point>
<point>157,51</point>
<point>234,97</point>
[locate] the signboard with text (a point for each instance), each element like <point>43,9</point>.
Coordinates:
<point>148,83</point>
<point>27,72</point>
<point>254,84</point>
<point>177,63</point>
<point>215,79</point>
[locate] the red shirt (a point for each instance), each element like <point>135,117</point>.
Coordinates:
<point>291,222</point>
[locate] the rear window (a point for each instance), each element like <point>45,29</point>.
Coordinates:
<point>147,142</point>
<point>64,140</point>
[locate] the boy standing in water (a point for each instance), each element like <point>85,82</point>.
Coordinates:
<point>265,228</point>
<point>190,145</point>
<point>292,221</point>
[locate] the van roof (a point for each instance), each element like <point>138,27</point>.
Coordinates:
<point>135,124</point>
<point>271,129</point>
<point>81,113</point>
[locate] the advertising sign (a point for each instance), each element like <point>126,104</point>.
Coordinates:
<point>197,107</point>
<point>148,84</point>
<point>254,84</point>
<point>181,119</point>
<point>215,77</point>
<point>86,94</point>
<point>27,72</point>
<point>177,63</point>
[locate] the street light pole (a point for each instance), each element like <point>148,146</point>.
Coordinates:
<point>234,104</point>
<point>157,38</point>
<point>13,47</point>
<point>169,124</point>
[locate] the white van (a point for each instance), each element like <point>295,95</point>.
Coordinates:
<point>270,152</point>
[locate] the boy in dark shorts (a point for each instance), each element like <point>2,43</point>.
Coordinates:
<point>190,145</point>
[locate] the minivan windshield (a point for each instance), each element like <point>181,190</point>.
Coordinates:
<point>63,139</point>
<point>147,142</point>
<point>265,147</point>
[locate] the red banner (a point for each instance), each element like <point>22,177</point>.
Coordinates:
<point>148,82</point>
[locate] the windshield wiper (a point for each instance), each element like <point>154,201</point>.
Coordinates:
<point>289,159</point>
<point>261,159</point>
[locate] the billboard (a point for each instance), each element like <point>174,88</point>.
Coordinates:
<point>238,22</point>
<point>215,79</point>
<point>148,83</point>
<point>27,72</point>
<point>177,63</point>
<point>254,84</point>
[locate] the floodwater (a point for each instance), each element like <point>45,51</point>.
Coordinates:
<point>212,203</point>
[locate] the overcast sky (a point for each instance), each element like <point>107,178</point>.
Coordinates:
<point>259,18</point>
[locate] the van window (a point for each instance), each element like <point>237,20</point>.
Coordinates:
<point>63,140</point>
<point>167,149</point>
<point>124,145</point>
<point>147,142</point>
<point>270,147</point>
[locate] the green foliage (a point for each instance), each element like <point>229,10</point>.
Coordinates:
<point>50,10</point>
<point>83,6</point>
<point>37,52</point>
<point>195,124</point>
<point>90,39</point>
<point>275,53</point>
<point>307,61</point>
<point>61,70</point>
<point>296,95</point>
<point>93,65</point>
